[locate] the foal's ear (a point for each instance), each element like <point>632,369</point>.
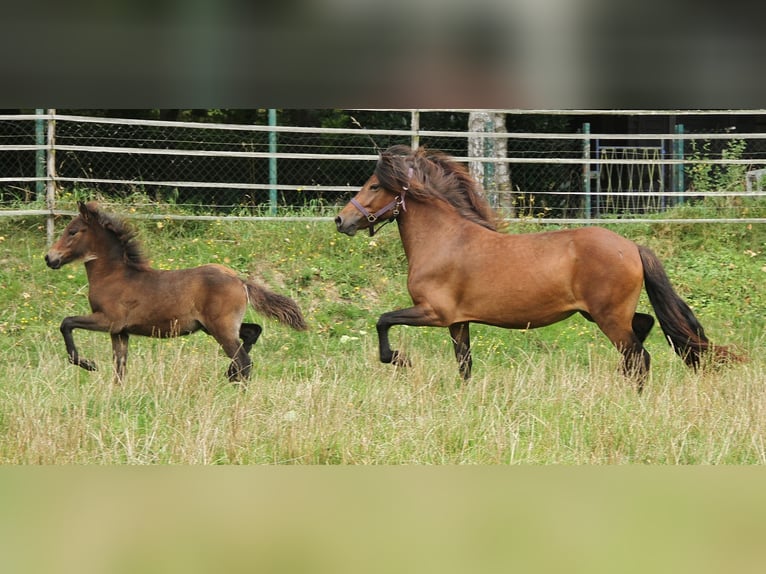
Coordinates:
<point>87,210</point>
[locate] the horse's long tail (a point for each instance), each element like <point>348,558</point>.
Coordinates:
<point>276,306</point>
<point>682,329</point>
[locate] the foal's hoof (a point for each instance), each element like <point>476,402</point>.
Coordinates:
<point>400,360</point>
<point>238,375</point>
<point>85,364</point>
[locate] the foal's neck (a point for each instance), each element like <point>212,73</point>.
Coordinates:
<point>108,258</point>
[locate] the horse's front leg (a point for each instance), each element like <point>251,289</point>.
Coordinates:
<point>461,339</point>
<point>94,322</point>
<point>414,317</point>
<point>120,355</point>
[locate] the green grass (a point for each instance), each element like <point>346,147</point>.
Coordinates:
<point>553,395</point>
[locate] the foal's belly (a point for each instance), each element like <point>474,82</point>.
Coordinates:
<point>164,329</point>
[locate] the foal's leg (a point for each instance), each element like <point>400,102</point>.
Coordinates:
<point>120,355</point>
<point>241,364</point>
<point>94,322</point>
<point>239,370</point>
<point>461,339</point>
<point>249,333</point>
<point>412,316</point>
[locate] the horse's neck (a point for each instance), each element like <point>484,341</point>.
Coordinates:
<point>103,262</point>
<point>424,225</point>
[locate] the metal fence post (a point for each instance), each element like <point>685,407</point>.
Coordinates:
<point>272,162</point>
<point>39,155</point>
<point>586,169</point>
<point>678,175</point>
<point>50,193</point>
<point>415,127</point>
<point>490,187</point>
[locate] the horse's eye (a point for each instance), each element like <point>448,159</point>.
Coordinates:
<point>375,187</point>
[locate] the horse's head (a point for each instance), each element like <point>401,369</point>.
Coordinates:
<point>77,240</point>
<point>371,205</point>
<point>382,197</point>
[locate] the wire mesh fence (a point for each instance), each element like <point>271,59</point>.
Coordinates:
<point>557,169</point>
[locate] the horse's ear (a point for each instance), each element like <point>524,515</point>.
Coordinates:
<point>87,210</point>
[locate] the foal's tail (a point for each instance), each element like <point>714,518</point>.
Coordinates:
<point>276,306</point>
<point>682,329</point>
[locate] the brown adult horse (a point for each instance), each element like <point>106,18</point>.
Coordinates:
<point>128,297</point>
<point>462,270</point>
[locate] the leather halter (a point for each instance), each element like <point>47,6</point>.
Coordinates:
<point>394,205</point>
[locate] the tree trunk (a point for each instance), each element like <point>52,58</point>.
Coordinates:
<point>494,177</point>
<point>478,122</point>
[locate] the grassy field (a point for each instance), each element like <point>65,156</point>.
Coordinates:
<point>553,395</point>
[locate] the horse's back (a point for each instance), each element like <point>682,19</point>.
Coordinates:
<point>217,280</point>
<point>193,288</point>
<point>583,244</point>
<point>217,268</point>
<point>592,236</point>
<point>604,247</point>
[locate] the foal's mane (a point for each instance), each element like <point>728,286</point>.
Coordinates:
<point>124,234</point>
<point>435,174</point>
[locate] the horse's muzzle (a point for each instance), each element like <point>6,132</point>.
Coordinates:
<point>52,262</point>
<point>345,226</point>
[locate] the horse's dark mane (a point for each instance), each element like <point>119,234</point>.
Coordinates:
<point>124,234</point>
<point>435,174</point>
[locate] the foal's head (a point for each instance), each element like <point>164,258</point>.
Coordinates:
<point>93,234</point>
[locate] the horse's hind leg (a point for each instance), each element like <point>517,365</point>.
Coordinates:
<point>461,339</point>
<point>642,324</point>
<point>249,333</point>
<point>239,370</point>
<point>120,355</point>
<point>241,365</point>
<point>635,359</point>
<point>635,363</point>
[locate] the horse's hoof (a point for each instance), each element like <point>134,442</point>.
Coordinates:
<point>400,360</point>
<point>238,376</point>
<point>87,365</point>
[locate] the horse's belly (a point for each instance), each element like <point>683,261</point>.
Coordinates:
<point>529,321</point>
<point>516,309</point>
<point>163,329</point>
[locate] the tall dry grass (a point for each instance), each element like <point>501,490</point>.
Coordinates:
<point>339,405</point>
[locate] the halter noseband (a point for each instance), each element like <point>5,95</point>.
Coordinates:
<point>394,205</point>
